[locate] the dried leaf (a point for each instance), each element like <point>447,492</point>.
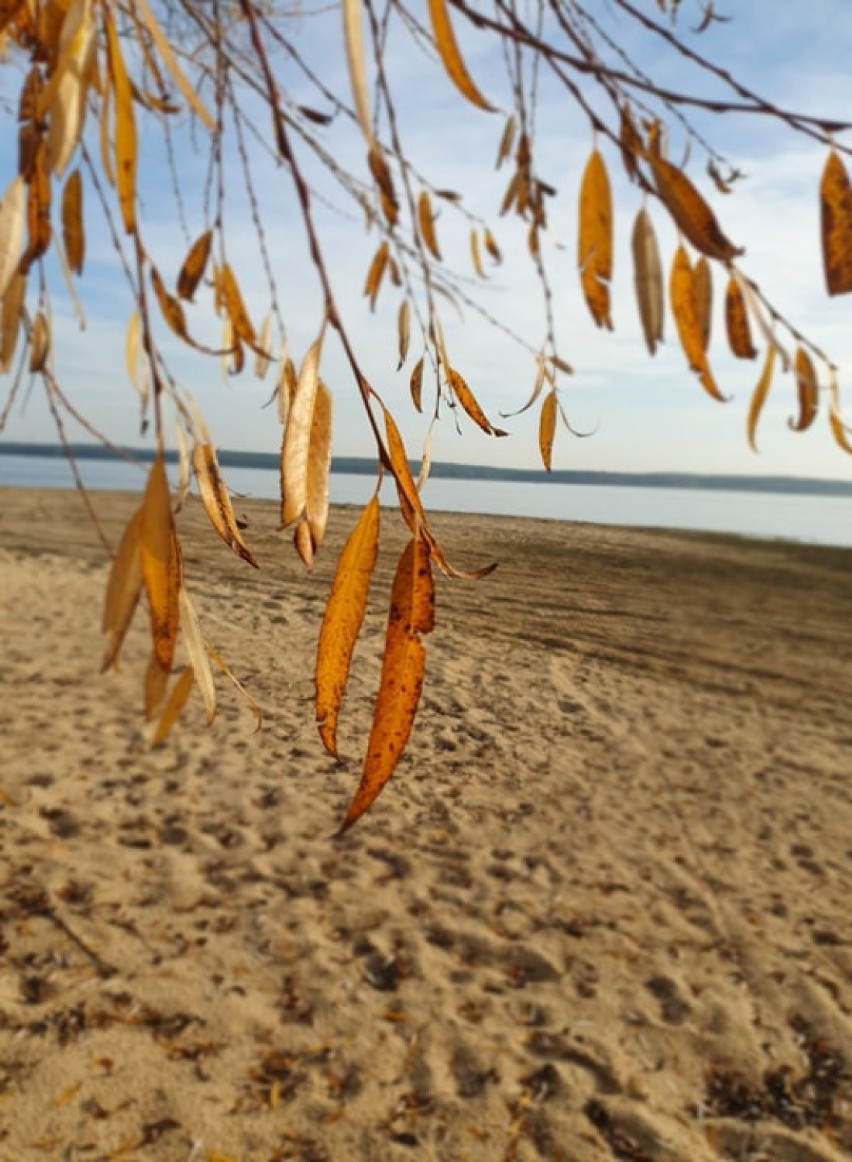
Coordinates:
<point>170,307</point>
<point>125,129</point>
<point>38,212</point>
<point>415,385</point>
<point>64,98</point>
<point>264,356</point>
<point>648,278</point>
<point>194,266</point>
<point>342,620</point>
<point>492,247</point>
<point>411,614</point>
<point>807,389</point>
<point>165,50</point>
<point>353,35</point>
<point>758,399</point>
<point>685,311</point>
<point>378,266</point>
<point>702,280</point>
<point>13,302</point>
<point>380,170</point>
<point>296,444</point>
<point>427,224</point>
<point>736,322</point>
<point>403,327</point>
<point>123,588</point>
<point>235,307</point>
<point>196,649</point>
<point>468,401</point>
<point>475,256</point>
<point>13,208</point>
<point>839,430</point>
<point>175,704</point>
<point>448,49</point>
<point>690,212</point>
<point>507,140</point>
<point>318,468</point>
<point>216,501</point>
<point>836,219</point>
<point>160,564</point>
<point>73,236</point>
<point>39,343</point>
<point>547,428</point>
<point>594,243</point>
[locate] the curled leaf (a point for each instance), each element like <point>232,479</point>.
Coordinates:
<point>807,389</point>
<point>687,318</point>
<point>415,385</point>
<point>690,211</point>
<point>175,704</point>
<point>403,327</point>
<point>216,501</point>
<point>758,399</point>
<point>194,266</point>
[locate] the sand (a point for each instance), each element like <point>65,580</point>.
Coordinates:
<point>601,912</point>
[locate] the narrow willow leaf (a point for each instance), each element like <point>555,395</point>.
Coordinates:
<point>137,369</point>
<point>703,285</point>
<point>411,615</point>
<point>685,311</point>
<point>475,255</point>
<point>342,620</point>
<point>13,209</point>
<point>547,428</point>
<point>468,401</point>
<point>174,705</point>
<point>196,649</point>
<point>835,196</point>
<point>403,328</point>
<point>427,224</point>
<point>66,95</point>
<point>178,76</point>
<point>758,399</point>
<point>194,266</point>
<point>184,468</point>
<point>39,343</point>
<point>123,588</point>
<point>416,384</point>
<point>264,355</point>
<point>295,449</point>
<point>690,212</point>
<point>235,307</point>
<point>160,564</point>
<point>839,430</point>
<point>648,279</point>
<point>375,273</point>
<point>507,140</point>
<point>380,170</point>
<point>216,501</point>
<point>287,381</point>
<point>807,389</point>
<point>492,247</point>
<point>594,239</point>
<point>156,684</point>
<point>170,307</point>
<point>39,226</point>
<point>107,161</point>
<point>125,129</point>
<point>543,375</point>
<point>10,319</point>
<point>736,322</point>
<point>756,313</point>
<point>353,35</point>
<point>73,236</point>
<point>318,469</point>
<point>448,49</point>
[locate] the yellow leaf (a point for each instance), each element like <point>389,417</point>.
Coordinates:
<point>170,307</point>
<point>155,685</point>
<point>492,247</point>
<point>216,501</point>
<point>353,35</point>
<point>373,282</point>
<point>13,208</point>
<point>13,302</point>
<point>758,399</point>
<point>264,355</point>
<point>690,212</point>
<point>160,564</point>
<point>123,588</point>
<point>836,220</point>
<point>594,242</point>
<point>547,428</point>
<point>296,444</point>
<point>685,311</point>
<point>506,141</point>
<point>380,170</point>
<point>416,384</point>
<point>427,224</point>
<point>468,401</point>
<point>194,266</point>
<point>648,277</point>
<point>165,50</point>
<point>411,614</point>
<point>736,322</point>
<point>196,649</point>
<point>287,381</point>
<point>39,342</point>
<point>342,620</point>
<point>475,256</point>
<point>73,236</point>
<point>64,98</point>
<point>448,49</point>
<point>807,389</point>
<point>403,327</point>
<point>235,306</point>
<point>702,278</point>
<point>172,710</point>
<point>125,128</point>
<point>318,468</point>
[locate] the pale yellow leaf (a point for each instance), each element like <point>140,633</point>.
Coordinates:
<point>648,277</point>
<point>125,128</point>
<point>296,444</point>
<point>13,209</point>
<point>353,35</point>
<point>196,649</point>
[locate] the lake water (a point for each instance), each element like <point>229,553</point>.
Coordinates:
<point>825,520</point>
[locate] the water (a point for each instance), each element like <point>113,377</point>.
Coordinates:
<point>825,520</point>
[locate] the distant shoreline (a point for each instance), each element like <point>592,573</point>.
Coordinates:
<point>358,466</point>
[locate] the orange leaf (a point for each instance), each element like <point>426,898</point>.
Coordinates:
<point>194,266</point>
<point>547,428</point>
<point>427,224</point>
<point>160,564</point>
<point>403,331</point>
<point>758,399</point>
<point>216,501</point>
<point>13,302</point>
<point>690,212</point>
<point>373,281</point>
<point>416,384</point>
<point>177,700</point>
<point>235,306</point>
<point>702,279</point>
<point>836,214</point>
<point>685,311</point>
<point>808,391</point>
<point>125,128</point>
<point>310,531</point>
<point>411,614</point>
<point>448,49</point>
<point>594,243</point>
<point>342,620</point>
<point>468,401</point>
<point>736,322</point>
<point>12,219</point>
<point>123,588</point>
<point>72,222</point>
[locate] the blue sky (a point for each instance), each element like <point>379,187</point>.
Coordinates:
<point>649,414</point>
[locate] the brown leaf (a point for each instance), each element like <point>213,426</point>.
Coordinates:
<point>492,247</point>
<point>216,501</point>
<point>594,241</point>
<point>468,401</point>
<point>170,307</point>
<point>194,265</point>
<point>690,212</point>
<point>380,170</point>
<point>13,208</point>
<point>123,588</point>
<point>427,224</point>
<point>39,227</point>
<point>807,388</point>
<point>475,256</point>
<point>342,620</point>
<point>125,128</point>
<point>403,328</point>
<point>411,614</point>
<point>378,266</point>
<point>836,219</point>
<point>648,278</point>
<point>685,311</point>
<point>736,322</point>
<point>164,47</point>
<point>758,399</point>
<point>416,384</point>
<point>547,428</point>
<point>235,307</point>
<point>353,34</point>
<point>448,49</point>
<point>702,281</point>
<point>73,235</point>
<point>39,342</point>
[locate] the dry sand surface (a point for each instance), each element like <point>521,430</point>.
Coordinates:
<point>601,912</point>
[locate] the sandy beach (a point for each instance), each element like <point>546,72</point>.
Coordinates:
<point>602,911</point>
